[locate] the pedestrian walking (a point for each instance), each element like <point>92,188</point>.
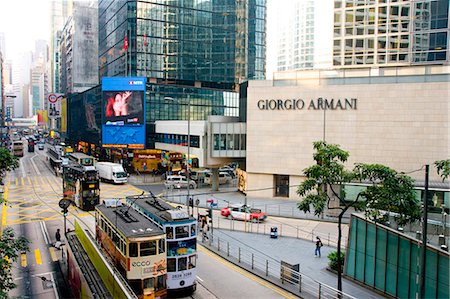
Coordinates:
<point>318,246</point>
<point>205,233</point>
<point>58,239</point>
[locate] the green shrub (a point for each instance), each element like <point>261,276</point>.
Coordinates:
<point>333,260</point>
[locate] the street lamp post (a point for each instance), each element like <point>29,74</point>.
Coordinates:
<point>188,176</point>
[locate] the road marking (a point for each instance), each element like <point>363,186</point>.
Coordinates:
<point>5,199</point>
<point>44,231</point>
<point>54,285</point>
<point>22,181</point>
<point>199,278</point>
<point>22,169</point>
<point>23,259</point>
<point>17,181</point>
<point>35,181</point>
<point>37,253</point>
<point>53,254</point>
<point>34,165</point>
<point>29,180</point>
<point>246,273</point>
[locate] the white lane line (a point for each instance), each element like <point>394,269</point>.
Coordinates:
<point>34,164</point>
<point>54,285</point>
<point>199,278</point>
<point>44,231</point>
<point>21,168</point>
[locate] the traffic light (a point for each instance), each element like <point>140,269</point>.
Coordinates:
<point>191,202</point>
<point>64,212</point>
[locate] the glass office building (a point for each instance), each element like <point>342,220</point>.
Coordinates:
<point>390,32</point>
<point>196,40</point>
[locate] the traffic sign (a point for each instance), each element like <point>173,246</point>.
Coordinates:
<point>52,98</point>
<point>64,203</point>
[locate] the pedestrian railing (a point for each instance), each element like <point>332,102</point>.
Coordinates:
<point>283,229</point>
<point>144,178</point>
<point>273,270</point>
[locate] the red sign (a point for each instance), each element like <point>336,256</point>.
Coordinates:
<point>52,98</point>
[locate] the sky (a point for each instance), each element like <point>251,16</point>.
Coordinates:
<point>23,22</point>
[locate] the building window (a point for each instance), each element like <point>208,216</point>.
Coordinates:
<point>281,185</point>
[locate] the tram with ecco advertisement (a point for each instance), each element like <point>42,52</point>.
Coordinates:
<point>136,246</point>
<point>181,236</point>
<point>81,185</point>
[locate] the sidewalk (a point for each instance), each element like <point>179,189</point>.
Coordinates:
<point>292,251</point>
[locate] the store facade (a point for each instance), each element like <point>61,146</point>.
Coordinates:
<point>398,117</point>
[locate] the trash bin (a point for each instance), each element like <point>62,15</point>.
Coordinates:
<point>274,232</point>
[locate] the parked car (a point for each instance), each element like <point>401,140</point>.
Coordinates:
<point>228,170</point>
<point>178,182</point>
<point>243,212</point>
<point>224,178</point>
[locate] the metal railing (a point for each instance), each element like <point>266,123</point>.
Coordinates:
<point>267,267</point>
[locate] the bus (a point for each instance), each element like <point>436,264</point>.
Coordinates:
<point>82,159</point>
<point>136,246</point>
<point>17,147</point>
<point>54,158</point>
<point>181,236</point>
<point>81,186</point>
<point>31,144</point>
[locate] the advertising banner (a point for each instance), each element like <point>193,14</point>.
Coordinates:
<point>123,112</point>
<point>63,128</point>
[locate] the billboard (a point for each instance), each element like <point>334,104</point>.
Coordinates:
<point>54,105</point>
<point>123,112</point>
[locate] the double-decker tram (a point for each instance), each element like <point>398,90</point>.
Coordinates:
<point>181,236</point>
<point>81,185</point>
<point>82,159</point>
<point>136,246</point>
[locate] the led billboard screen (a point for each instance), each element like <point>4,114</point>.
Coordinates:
<point>123,112</point>
<point>123,108</point>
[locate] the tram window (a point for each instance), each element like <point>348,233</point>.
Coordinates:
<point>171,265</point>
<point>193,230</point>
<point>149,283</point>
<point>148,248</point>
<point>182,263</point>
<point>133,250</point>
<point>169,232</point>
<point>161,282</point>
<point>181,232</point>
<point>136,285</point>
<point>161,246</point>
<point>192,261</point>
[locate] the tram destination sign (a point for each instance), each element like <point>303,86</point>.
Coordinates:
<point>313,104</point>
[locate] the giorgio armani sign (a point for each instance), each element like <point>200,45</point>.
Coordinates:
<point>313,104</point>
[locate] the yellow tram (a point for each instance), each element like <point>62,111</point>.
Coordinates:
<point>136,246</point>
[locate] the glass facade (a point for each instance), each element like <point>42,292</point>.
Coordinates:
<point>172,102</point>
<point>390,32</point>
<point>196,40</point>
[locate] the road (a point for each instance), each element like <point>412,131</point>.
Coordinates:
<point>33,193</point>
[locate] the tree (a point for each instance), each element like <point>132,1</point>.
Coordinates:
<point>8,162</point>
<point>443,168</point>
<point>10,247</point>
<point>387,190</point>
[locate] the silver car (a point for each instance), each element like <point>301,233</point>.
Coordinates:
<point>178,182</point>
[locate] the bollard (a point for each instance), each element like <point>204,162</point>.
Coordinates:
<point>300,283</point>
<point>267,268</point>
<point>297,231</point>
<point>253,261</point>
<point>228,248</point>
<point>320,290</point>
<point>239,254</point>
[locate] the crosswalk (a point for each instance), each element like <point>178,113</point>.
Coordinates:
<point>35,257</point>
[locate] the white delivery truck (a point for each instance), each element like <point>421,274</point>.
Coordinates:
<point>111,172</point>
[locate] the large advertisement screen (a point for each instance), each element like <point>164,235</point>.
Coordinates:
<point>123,107</point>
<point>123,112</point>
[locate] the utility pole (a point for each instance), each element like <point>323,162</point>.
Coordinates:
<point>424,234</point>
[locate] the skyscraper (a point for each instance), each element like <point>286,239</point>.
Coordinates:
<point>390,32</point>
<point>78,49</point>
<point>304,34</point>
<point>208,41</point>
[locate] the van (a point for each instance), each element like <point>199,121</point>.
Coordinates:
<point>224,178</point>
<point>112,172</point>
<point>178,182</point>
